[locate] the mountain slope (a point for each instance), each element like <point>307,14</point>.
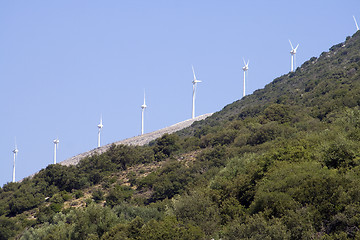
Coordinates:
<point>282,163</point>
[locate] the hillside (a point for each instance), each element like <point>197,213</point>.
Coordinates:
<point>282,163</point>
<point>317,87</point>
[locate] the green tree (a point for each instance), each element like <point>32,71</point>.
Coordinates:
<point>166,145</point>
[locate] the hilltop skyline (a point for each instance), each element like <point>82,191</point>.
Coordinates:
<point>63,65</point>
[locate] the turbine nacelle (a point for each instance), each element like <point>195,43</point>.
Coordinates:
<point>293,50</point>
<point>246,65</point>
<point>56,141</point>
<point>195,80</point>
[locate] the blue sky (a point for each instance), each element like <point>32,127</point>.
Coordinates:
<point>64,63</point>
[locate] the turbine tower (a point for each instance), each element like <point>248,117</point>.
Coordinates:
<point>142,115</point>
<point>293,52</point>
<point>245,68</point>
<point>194,82</point>
<point>100,126</point>
<point>357,27</point>
<point>15,151</point>
<point>56,145</point>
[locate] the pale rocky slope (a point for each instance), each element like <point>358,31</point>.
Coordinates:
<point>138,140</point>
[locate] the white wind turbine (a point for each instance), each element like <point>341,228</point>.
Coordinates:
<point>194,82</point>
<point>100,126</point>
<point>56,146</point>
<point>245,68</point>
<point>142,115</point>
<point>357,27</point>
<point>15,151</point>
<point>293,57</point>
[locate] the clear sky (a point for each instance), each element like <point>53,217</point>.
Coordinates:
<point>64,63</point>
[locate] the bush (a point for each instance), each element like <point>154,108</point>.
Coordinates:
<point>118,195</point>
<point>98,195</point>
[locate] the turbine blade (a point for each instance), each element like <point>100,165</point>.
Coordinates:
<point>244,61</point>
<point>291,44</point>
<point>296,47</point>
<point>357,27</point>
<point>247,63</point>
<point>193,72</point>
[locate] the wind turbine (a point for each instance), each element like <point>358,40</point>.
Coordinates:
<point>245,68</point>
<point>15,151</point>
<point>142,115</point>
<point>100,126</point>
<point>293,52</point>
<point>357,27</point>
<point>56,146</point>
<point>194,82</point>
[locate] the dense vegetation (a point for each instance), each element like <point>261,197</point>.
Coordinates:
<point>282,163</point>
